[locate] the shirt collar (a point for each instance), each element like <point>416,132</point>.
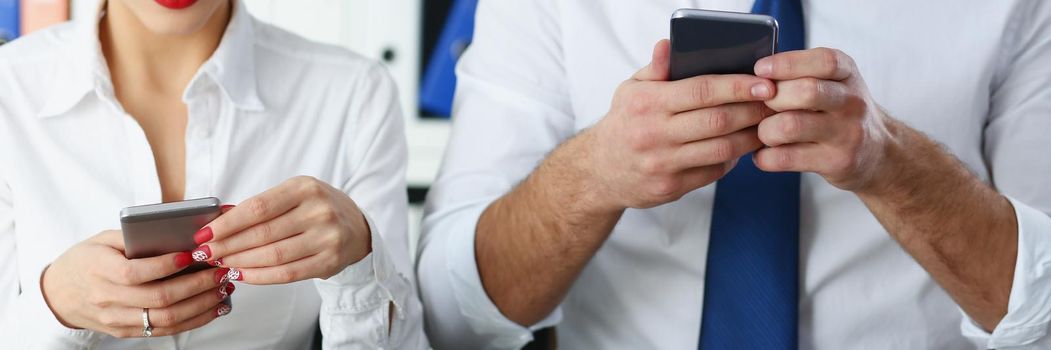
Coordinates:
<point>231,67</point>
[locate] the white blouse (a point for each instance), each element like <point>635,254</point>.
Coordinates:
<point>267,106</point>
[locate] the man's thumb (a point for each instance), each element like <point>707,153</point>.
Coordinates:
<point>658,67</point>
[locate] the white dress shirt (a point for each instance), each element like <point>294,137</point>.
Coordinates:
<point>267,106</point>
<point>973,75</point>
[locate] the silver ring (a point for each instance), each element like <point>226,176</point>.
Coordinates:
<point>147,329</point>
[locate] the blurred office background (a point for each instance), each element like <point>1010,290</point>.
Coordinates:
<point>418,40</point>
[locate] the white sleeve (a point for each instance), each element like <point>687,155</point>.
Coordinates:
<point>355,303</point>
<point>26,322</point>
<point>511,108</point>
<point>1016,153</point>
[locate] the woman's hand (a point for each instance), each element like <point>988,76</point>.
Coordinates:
<point>301,229</point>
<point>93,286</point>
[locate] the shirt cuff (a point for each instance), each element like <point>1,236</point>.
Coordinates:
<point>38,328</point>
<point>355,311</point>
<point>481,313</point>
<point>1029,307</point>
<point>364,284</point>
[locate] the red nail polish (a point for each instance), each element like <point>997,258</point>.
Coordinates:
<point>225,290</point>
<point>183,259</point>
<point>220,275</point>
<point>217,262</point>
<point>221,292</point>
<point>223,310</point>
<point>226,207</point>
<point>202,253</point>
<point>203,235</point>
<point>234,275</point>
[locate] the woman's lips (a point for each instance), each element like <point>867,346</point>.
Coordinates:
<point>176,4</point>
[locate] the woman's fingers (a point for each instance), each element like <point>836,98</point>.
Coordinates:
<point>314,266</point>
<point>159,294</point>
<point>287,225</point>
<point>114,267</point>
<point>277,253</point>
<point>197,321</point>
<point>260,208</point>
<point>183,311</point>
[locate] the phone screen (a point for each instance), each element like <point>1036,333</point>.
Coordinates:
<point>712,42</point>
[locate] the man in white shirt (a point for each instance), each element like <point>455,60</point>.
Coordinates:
<point>570,197</point>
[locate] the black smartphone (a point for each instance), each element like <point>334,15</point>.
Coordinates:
<point>718,42</point>
<point>158,229</point>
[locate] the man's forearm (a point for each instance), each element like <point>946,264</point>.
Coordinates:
<point>532,243</point>
<point>959,229</point>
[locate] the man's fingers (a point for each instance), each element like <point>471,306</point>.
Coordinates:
<point>165,293</point>
<point>795,127</point>
<point>713,90</point>
<point>711,122</point>
<point>811,94</point>
<point>819,63</point>
<point>276,253</point>
<point>659,65</point>
<point>797,157</point>
<point>260,208</point>
<point>702,176</point>
<point>717,150</point>
<point>287,225</point>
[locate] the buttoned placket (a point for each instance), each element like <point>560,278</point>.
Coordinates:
<point>204,108</point>
<point>142,171</point>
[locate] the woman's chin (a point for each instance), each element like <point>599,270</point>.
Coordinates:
<point>173,26</point>
<point>173,17</point>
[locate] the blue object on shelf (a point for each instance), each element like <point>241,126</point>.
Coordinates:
<point>439,79</point>
<point>8,20</point>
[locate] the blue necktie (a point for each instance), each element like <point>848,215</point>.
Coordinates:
<point>752,282</point>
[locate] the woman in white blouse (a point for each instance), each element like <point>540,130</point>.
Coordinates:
<point>161,100</point>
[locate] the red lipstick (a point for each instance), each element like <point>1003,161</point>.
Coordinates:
<point>176,4</point>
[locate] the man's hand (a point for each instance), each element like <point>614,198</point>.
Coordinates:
<point>959,229</point>
<point>661,139</point>
<point>826,122</point>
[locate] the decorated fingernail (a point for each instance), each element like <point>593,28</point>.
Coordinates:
<point>217,262</point>
<point>202,253</point>
<point>223,310</point>
<point>234,275</point>
<point>225,290</point>
<point>203,235</point>
<point>220,275</point>
<point>183,259</point>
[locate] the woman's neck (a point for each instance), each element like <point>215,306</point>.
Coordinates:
<point>141,59</point>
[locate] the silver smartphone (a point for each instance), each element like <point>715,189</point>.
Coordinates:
<point>717,42</point>
<point>158,229</point>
